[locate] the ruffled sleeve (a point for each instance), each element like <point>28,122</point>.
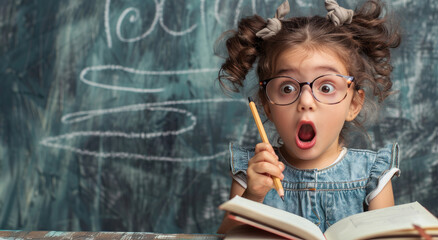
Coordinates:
<point>386,165</point>
<point>239,157</point>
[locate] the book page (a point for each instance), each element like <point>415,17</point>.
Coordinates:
<point>277,218</point>
<point>378,222</point>
<point>255,230</point>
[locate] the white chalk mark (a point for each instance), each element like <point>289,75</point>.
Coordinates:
<point>157,18</point>
<point>237,13</point>
<point>140,135</point>
<point>135,71</point>
<point>107,25</point>
<point>127,155</point>
<point>171,32</point>
<point>54,142</point>
<point>203,13</point>
<point>216,12</point>
<point>85,115</point>
<point>134,18</point>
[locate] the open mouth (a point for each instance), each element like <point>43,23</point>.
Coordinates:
<point>306,133</point>
<point>306,136</point>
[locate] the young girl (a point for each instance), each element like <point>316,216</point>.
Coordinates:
<point>316,74</point>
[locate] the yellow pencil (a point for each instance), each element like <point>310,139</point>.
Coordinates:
<point>262,132</point>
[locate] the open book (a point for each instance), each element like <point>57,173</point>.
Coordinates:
<point>407,221</point>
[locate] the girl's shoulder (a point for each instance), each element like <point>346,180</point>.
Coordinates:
<point>388,155</point>
<point>239,157</point>
<point>367,164</point>
<point>361,165</point>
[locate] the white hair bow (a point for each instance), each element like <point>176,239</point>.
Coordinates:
<point>274,25</point>
<point>338,15</point>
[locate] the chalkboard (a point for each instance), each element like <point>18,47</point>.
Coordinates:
<point>111,119</point>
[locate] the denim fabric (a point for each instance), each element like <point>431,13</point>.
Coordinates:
<point>325,196</point>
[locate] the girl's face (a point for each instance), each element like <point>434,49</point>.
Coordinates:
<point>310,129</point>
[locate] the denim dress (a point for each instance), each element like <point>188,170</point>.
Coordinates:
<point>325,196</point>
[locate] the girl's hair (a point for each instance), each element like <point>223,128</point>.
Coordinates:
<point>363,46</point>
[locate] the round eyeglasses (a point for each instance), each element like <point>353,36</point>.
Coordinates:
<point>328,88</point>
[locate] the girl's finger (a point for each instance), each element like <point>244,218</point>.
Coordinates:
<point>264,156</point>
<point>281,166</point>
<point>265,147</point>
<point>270,169</point>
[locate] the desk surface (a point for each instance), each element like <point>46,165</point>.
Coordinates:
<point>103,235</point>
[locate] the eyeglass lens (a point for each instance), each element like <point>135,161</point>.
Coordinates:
<point>328,89</point>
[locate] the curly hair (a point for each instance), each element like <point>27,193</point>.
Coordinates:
<point>363,46</point>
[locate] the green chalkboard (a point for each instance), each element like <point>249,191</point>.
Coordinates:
<point>111,118</point>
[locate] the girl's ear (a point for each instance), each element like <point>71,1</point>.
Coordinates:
<point>267,111</point>
<point>356,105</point>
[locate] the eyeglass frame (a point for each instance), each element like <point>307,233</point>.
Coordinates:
<point>264,83</point>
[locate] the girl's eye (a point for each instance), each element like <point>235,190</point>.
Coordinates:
<point>327,88</point>
<point>287,89</point>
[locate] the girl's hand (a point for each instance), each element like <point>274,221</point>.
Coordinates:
<point>261,167</point>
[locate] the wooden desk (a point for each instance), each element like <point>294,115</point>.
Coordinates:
<point>53,235</point>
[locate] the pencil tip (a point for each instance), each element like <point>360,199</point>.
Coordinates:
<point>249,99</point>
<point>282,198</point>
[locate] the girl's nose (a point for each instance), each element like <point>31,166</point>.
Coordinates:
<point>306,101</point>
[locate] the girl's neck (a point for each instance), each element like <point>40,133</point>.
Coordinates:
<point>322,162</point>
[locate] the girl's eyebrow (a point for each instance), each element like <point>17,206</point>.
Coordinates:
<point>323,68</point>
<point>327,69</point>
<point>285,71</point>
